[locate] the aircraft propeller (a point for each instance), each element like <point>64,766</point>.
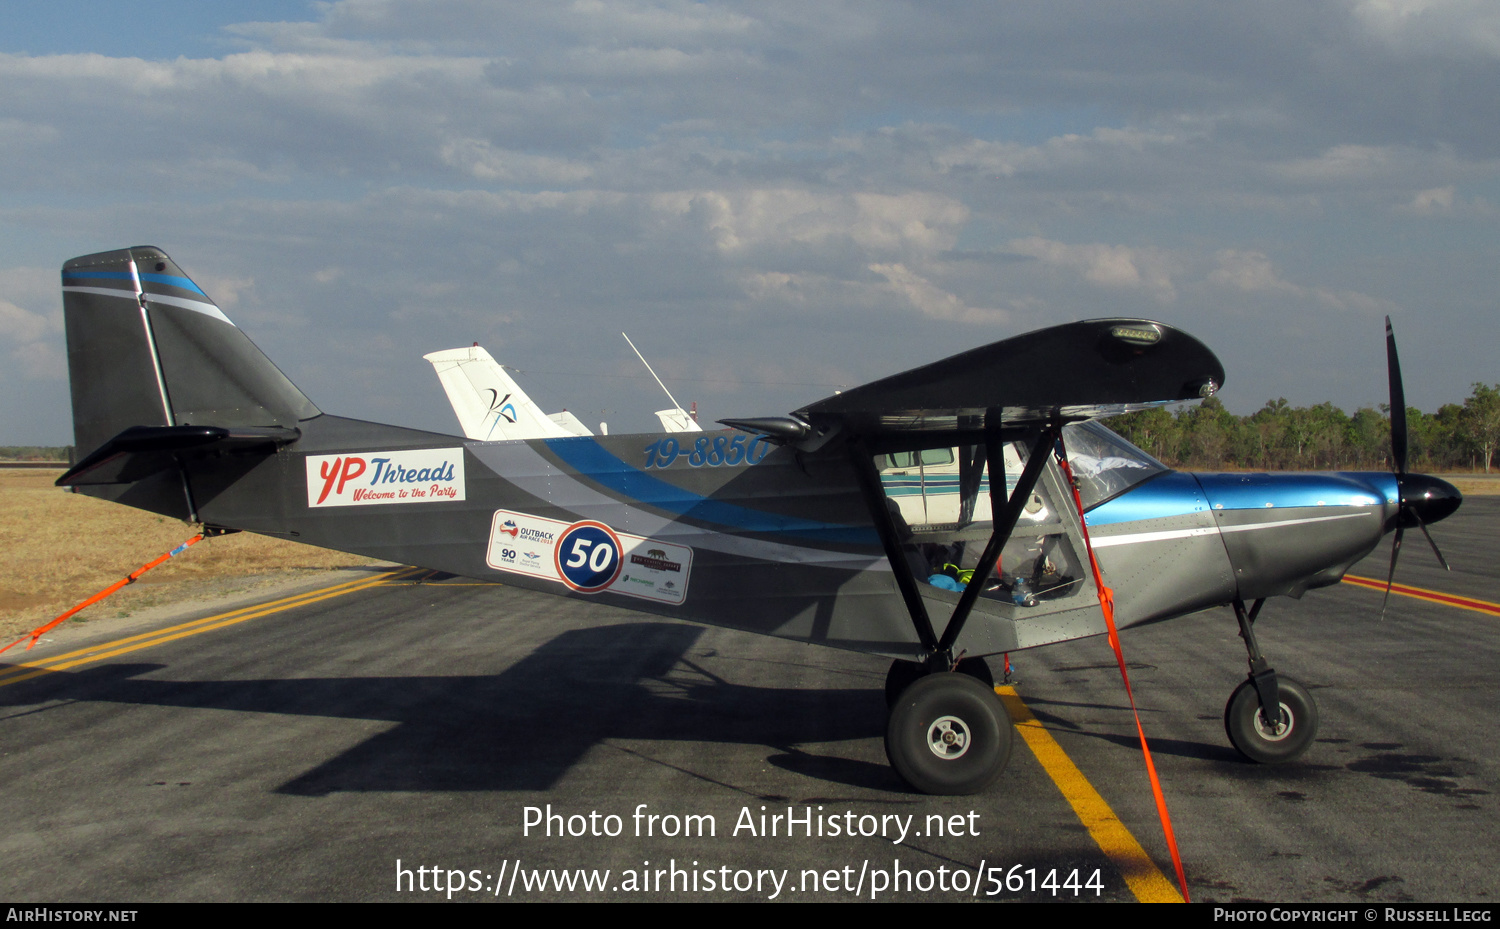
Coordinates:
<point>1423,499</point>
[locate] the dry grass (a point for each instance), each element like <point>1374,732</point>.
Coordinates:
<point>1472,484</point>
<point>60,548</point>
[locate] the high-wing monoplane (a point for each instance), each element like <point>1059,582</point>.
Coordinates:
<point>935,517</point>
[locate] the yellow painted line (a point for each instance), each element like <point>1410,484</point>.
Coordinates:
<point>1141,874</point>
<point>1431,596</point>
<point>103,650</point>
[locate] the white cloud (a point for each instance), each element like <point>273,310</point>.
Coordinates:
<point>933,301</point>
<point>1436,200</point>
<point>1443,27</point>
<point>1250,272</point>
<point>31,323</point>
<point>879,223</point>
<point>1110,266</point>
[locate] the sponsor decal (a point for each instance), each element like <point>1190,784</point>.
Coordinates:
<point>424,475</point>
<point>589,557</point>
<point>659,563</point>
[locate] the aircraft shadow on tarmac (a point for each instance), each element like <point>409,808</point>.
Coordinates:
<point>1204,751</point>
<point>523,728</point>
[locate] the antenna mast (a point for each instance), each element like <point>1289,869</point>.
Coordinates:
<point>653,373</point>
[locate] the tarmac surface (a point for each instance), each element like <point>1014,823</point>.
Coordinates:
<point>395,737</point>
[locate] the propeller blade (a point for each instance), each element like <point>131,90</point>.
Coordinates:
<point>1390,578</point>
<point>1398,401</point>
<point>1423,526</point>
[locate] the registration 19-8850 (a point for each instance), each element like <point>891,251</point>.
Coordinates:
<point>710,451</point>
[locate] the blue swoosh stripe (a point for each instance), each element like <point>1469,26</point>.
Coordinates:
<point>592,461</point>
<point>170,280</point>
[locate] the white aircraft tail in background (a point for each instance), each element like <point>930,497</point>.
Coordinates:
<point>490,405</point>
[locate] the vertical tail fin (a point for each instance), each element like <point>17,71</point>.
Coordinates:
<point>490,405</point>
<point>147,347</point>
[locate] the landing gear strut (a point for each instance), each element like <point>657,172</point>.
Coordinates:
<point>1255,730</point>
<point>903,674</point>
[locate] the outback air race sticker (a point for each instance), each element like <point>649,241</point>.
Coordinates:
<point>423,475</point>
<point>589,557</point>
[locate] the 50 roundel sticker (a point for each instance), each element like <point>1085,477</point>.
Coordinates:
<point>587,556</point>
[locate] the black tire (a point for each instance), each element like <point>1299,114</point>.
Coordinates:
<point>948,735</point>
<point>1252,737</point>
<point>902,675</point>
<point>978,669</point>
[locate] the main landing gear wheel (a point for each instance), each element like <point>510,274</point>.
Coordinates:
<point>1256,737</point>
<point>903,674</point>
<point>948,734</point>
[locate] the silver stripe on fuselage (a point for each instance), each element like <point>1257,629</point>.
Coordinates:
<point>197,306</point>
<point>1292,522</point>
<point>1167,534</point>
<point>1162,536</point>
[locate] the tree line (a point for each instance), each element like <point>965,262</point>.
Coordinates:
<point>34,452</point>
<point>1281,437</point>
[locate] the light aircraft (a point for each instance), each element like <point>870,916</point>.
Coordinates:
<point>779,525</point>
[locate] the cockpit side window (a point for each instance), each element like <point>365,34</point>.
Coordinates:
<point>1105,464</point>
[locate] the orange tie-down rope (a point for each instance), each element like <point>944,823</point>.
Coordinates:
<point>1107,603</point>
<point>128,579</point>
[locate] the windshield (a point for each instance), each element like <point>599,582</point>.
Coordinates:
<point>1105,464</point>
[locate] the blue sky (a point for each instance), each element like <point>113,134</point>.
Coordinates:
<point>774,199</point>
<point>162,29</point>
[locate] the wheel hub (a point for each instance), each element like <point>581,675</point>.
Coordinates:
<point>948,737</point>
<point>1280,730</point>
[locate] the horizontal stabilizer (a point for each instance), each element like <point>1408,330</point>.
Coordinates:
<point>677,420</point>
<point>142,451</point>
<point>569,422</point>
<point>1076,371</point>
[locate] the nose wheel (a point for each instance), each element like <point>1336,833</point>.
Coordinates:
<point>1256,730</point>
<point>1271,741</point>
<point>948,734</point>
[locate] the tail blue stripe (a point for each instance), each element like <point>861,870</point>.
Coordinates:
<point>170,280</point>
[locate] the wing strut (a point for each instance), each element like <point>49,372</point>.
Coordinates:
<point>890,539</point>
<point>1004,513</point>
